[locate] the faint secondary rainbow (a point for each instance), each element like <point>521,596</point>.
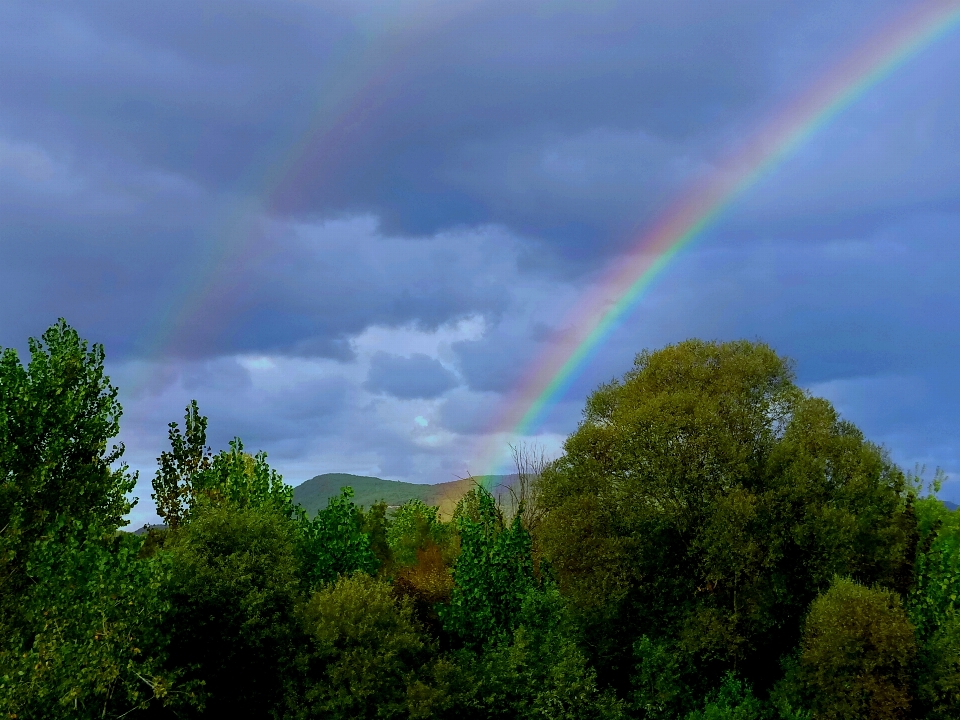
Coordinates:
<point>365,77</point>
<point>612,299</point>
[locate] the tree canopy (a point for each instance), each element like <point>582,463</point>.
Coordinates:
<point>714,543</point>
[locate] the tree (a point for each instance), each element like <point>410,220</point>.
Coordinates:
<point>423,550</point>
<point>333,543</point>
<point>733,700</point>
<point>492,574</point>
<point>181,468</point>
<point>363,646</point>
<point>413,527</point>
<point>58,415</point>
<point>93,646</point>
<point>704,501</point>
<point>539,671</point>
<point>233,589</point>
<point>856,653</point>
<point>934,608</point>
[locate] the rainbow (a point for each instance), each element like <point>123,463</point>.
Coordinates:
<point>365,77</point>
<point>597,316</point>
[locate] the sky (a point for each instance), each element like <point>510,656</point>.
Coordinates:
<point>350,229</point>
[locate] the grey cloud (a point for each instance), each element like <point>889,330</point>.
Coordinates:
<point>190,181</point>
<point>310,287</point>
<point>417,376</point>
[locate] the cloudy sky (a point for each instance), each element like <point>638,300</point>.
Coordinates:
<point>349,229</point>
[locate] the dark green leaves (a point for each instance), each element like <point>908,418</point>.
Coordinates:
<point>492,575</point>
<point>334,543</point>
<point>57,417</point>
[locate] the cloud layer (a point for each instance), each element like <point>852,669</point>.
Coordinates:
<point>350,228</point>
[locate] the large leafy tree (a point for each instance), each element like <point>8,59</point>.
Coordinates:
<point>704,501</point>
<point>92,645</point>
<point>58,469</point>
<point>58,415</point>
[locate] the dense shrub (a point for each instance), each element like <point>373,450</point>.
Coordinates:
<point>233,589</point>
<point>94,646</point>
<point>363,646</point>
<point>856,653</point>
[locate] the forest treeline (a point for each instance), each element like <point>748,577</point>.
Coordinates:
<point>713,543</point>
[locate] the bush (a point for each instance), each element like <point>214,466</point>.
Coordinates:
<point>363,647</point>
<point>94,646</point>
<point>855,656</point>
<point>234,589</point>
<point>732,701</point>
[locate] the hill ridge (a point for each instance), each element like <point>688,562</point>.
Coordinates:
<point>314,493</point>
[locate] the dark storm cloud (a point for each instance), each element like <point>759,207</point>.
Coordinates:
<point>130,133</point>
<point>310,287</point>
<point>417,376</point>
<point>191,181</point>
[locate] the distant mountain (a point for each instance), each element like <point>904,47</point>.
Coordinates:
<point>950,505</point>
<point>314,493</point>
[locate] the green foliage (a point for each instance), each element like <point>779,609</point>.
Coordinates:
<point>413,527</point>
<point>334,543</point>
<point>245,480</point>
<point>57,417</point>
<point>363,646</point>
<point>492,575</point>
<point>181,466</point>
<point>93,647</point>
<point>541,672</point>
<point>376,525</point>
<point>446,688</point>
<point>704,501</point>
<point>938,673</point>
<point>233,590</point>
<point>935,597</point>
<point>734,700</point>
<point>659,692</point>
<point>189,474</point>
<point>856,652</point>
<point>538,671</point>
<point>688,545</point>
<point>933,608</point>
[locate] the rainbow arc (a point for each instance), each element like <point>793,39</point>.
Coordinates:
<point>700,207</point>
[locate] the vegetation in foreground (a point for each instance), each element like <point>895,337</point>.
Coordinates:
<point>714,543</point>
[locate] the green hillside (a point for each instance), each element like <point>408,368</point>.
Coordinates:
<point>314,493</point>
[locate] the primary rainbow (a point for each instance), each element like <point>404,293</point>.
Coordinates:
<point>612,299</point>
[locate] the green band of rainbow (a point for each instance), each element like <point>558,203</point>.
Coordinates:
<point>614,298</point>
